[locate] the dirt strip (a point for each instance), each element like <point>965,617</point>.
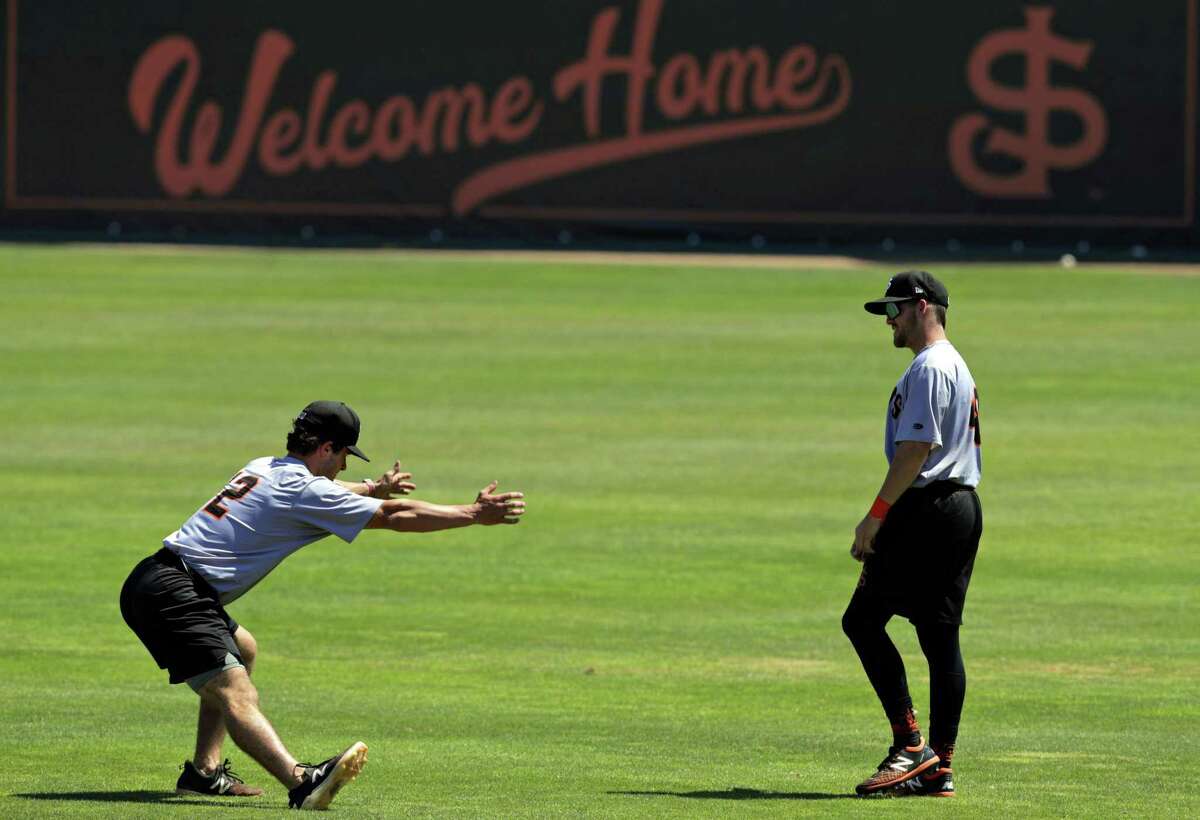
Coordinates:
<point>650,258</point>
<point>663,259</point>
<point>638,258</point>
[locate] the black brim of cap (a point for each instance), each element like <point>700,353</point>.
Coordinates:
<point>877,306</point>
<point>354,451</point>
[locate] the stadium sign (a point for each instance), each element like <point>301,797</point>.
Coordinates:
<point>636,112</point>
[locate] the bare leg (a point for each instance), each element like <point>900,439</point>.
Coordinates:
<point>233,695</point>
<point>210,728</point>
<point>210,734</point>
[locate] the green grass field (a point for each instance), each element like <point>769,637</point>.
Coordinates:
<point>660,637</point>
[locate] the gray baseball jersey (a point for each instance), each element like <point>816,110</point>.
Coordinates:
<point>270,509</point>
<point>936,401</point>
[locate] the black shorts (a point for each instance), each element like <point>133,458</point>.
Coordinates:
<point>924,555</point>
<point>178,616</point>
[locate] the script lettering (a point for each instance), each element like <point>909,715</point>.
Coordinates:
<point>180,176</point>
<point>686,101</point>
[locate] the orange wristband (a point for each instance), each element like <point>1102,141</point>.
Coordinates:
<point>879,509</point>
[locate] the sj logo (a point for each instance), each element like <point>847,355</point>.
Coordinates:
<point>1037,154</point>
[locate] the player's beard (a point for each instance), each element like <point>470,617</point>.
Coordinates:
<point>899,338</point>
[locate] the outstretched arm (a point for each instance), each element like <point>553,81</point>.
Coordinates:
<point>411,515</point>
<point>394,482</point>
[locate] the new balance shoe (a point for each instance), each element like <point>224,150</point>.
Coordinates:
<point>902,763</point>
<point>321,783</point>
<point>936,782</point>
<point>222,782</point>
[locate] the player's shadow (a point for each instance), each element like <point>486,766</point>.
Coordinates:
<point>144,796</point>
<point>738,793</point>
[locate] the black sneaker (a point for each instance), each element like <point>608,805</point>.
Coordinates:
<point>222,782</point>
<point>321,783</point>
<point>937,782</point>
<point>902,763</point>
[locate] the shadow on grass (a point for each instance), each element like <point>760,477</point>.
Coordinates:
<point>738,793</point>
<point>146,796</point>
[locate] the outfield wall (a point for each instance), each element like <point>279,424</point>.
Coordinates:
<point>630,119</point>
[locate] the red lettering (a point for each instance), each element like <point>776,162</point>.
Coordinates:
<point>589,73</point>
<point>679,87</point>
<point>796,68</point>
<point>353,117</point>
<point>531,169</point>
<point>451,104</point>
<point>180,176</point>
<point>280,132</point>
<point>314,155</point>
<point>738,65</point>
<point>514,97</point>
<point>391,145</point>
<point>683,84</point>
<point>351,134</point>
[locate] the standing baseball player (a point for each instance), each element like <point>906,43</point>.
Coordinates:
<point>919,540</point>
<point>175,599</point>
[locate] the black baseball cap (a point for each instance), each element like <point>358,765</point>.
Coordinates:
<point>332,421</point>
<point>912,284</point>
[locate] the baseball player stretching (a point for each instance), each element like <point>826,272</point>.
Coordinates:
<point>919,540</point>
<point>175,599</point>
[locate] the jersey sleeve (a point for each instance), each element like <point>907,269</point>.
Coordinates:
<point>927,397</point>
<point>331,507</point>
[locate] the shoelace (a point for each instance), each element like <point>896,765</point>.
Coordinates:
<point>225,771</point>
<point>885,763</point>
<point>306,771</point>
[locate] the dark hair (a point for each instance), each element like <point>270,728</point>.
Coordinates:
<point>301,442</point>
<point>940,313</point>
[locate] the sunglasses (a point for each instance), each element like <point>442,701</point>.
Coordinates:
<point>892,309</point>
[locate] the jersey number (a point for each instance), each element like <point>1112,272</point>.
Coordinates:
<point>974,424</point>
<point>234,491</point>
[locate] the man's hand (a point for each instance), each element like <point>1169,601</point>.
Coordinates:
<point>864,538</point>
<point>394,482</point>
<point>501,508</point>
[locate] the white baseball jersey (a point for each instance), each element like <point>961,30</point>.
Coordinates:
<point>270,509</point>
<point>936,401</point>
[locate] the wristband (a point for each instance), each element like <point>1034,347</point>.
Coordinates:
<point>371,486</point>
<point>879,509</point>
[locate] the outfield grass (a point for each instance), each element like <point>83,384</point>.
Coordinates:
<point>660,637</point>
